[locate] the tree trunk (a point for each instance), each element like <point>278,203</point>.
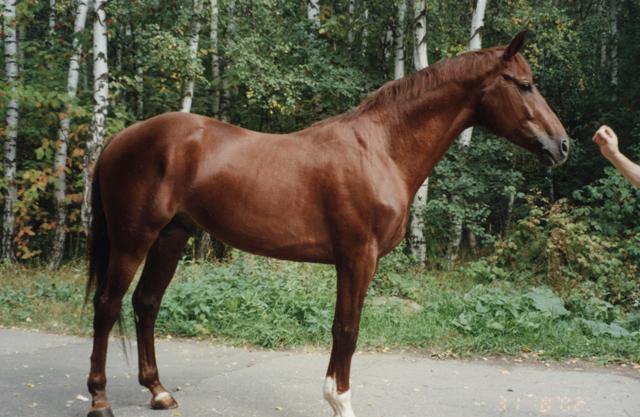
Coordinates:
<point>352,10</point>
<point>417,239</point>
<point>11,140</point>
<point>52,23</point>
<point>101,105</point>
<point>387,42</point>
<point>52,16</point>
<point>60,158</point>
<point>187,94</point>
<point>313,12</point>
<point>225,104</point>
<point>475,43</point>
<point>420,59</point>
<point>365,32</point>
<point>215,59</point>
<point>398,57</point>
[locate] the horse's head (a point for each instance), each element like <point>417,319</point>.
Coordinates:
<point>513,107</point>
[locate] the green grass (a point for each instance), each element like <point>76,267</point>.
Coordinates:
<point>280,304</point>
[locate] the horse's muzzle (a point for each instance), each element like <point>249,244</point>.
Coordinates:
<point>554,152</point>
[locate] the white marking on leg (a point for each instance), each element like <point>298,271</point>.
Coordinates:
<point>161,396</point>
<point>340,403</point>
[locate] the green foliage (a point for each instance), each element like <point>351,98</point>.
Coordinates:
<point>557,245</point>
<point>251,300</point>
<point>281,304</point>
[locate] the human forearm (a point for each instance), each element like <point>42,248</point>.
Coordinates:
<point>629,169</point>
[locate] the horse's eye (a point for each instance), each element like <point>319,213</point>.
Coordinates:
<point>525,87</point>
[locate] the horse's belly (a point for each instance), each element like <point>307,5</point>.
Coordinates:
<point>276,230</point>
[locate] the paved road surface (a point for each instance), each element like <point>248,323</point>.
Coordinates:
<point>44,375</point>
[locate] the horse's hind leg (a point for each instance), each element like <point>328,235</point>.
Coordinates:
<point>107,304</point>
<point>157,273</point>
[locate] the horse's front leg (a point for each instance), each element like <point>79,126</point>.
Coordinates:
<point>355,272</point>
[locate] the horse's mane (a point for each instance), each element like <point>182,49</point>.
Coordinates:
<point>458,69</point>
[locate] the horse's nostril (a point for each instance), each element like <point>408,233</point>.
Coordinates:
<point>564,146</point>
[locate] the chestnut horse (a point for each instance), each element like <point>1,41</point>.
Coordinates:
<point>337,192</point>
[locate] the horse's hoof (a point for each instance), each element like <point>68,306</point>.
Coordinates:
<point>163,401</point>
<point>101,412</point>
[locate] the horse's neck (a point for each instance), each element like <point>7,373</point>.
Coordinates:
<point>419,134</point>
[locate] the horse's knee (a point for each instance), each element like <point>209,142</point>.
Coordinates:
<point>145,303</point>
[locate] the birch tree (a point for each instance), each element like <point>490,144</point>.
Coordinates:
<point>420,61</point>
<point>313,12</point>
<point>352,10</point>
<point>60,158</point>
<point>187,94</point>
<point>52,21</point>
<point>365,31</point>
<point>11,131</point>
<point>475,43</point>
<point>225,93</point>
<point>52,16</point>
<point>100,105</point>
<point>215,57</point>
<point>398,56</point>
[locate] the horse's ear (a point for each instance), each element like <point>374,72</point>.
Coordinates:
<point>515,46</point>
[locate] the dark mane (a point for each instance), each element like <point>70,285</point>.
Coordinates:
<point>458,69</point>
<point>451,70</point>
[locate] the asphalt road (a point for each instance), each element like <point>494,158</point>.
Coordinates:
<point>44,375</point>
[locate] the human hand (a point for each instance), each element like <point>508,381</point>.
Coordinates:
<point>607,139</point>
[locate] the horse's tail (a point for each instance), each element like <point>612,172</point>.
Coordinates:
<point>99,253</point>
<point>98,241</point>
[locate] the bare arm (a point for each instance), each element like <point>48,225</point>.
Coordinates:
<point>606,138</point>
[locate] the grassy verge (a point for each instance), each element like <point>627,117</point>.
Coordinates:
<point>279,304</point>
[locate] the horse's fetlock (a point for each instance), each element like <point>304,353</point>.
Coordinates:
<point>148,379</point>
<point>96,383</point>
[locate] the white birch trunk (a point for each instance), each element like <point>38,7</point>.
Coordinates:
<point>313,12</point>
<point>187,95</point>
<point>420,15</point>
<point>52,16</point>
<point>60,158</point>
<point>52,23</point>
<point>365,32</point>
<point>101,104</point>
<point>215,57</point>
<point>398,57</point>
<point>225,105</point>
<point>475,43</point>
<point>11,140</point>
<point>139,81</point>
<point>352,10</point>
<point>387,41</point>
<point>417,238</point>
